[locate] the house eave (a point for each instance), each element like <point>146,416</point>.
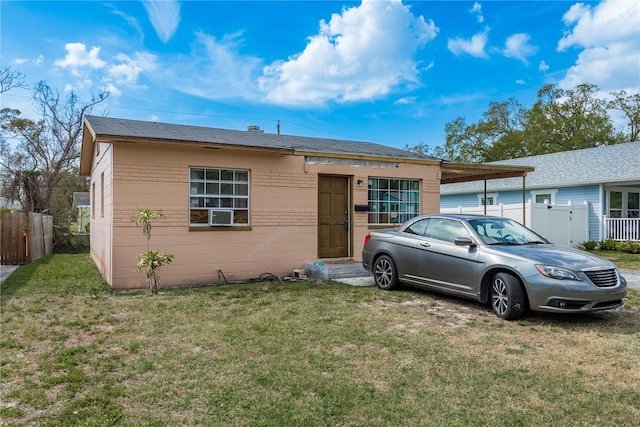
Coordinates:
<point>87,149</point>
<point>365,157</point>
<point>465,172</point>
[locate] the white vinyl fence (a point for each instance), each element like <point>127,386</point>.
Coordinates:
<point>566,225</point>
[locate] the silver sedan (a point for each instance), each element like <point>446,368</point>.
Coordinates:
<point>492,260</point>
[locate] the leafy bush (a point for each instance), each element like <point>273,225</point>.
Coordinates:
<point>589,245</point>
<point>629,247</point>
<point>608,245</point>
<point>71,244</point>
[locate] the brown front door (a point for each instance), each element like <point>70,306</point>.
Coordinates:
<point>333,214</point>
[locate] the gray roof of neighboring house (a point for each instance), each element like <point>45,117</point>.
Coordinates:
<point>618,163</point>
<point>123,128</point>
<point>81,198</point>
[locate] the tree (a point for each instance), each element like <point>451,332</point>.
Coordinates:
<point>10,79</point>
<point>568,119</point>
<point>629,105</point>
<point>47,149</point>
<point>497,134</point>
<point>41,170</point>
<point>560,120</point>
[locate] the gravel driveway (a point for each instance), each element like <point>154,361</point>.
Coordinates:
<point>633,278</point>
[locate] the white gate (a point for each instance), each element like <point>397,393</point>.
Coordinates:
<point>566,225</point>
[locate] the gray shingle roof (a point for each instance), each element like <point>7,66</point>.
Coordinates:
<point>81,198</point>
<point>106,127</point>
<point>606,164</point>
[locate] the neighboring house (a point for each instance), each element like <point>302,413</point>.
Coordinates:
<point>607,178</point>
<point>81,202</point>
<point>242,203</point>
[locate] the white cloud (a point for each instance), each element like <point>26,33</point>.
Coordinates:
<point>129,69</point>
<point>362,53</point>
<point>517,46</point>
<point>543,66</point>
<point>406,100</point>
<point>113,90</point>
<point>609,36</point>
<point>477,10</point>
<point>19,61</point>
<point>474,46</point>
<point>213,69</point>
<point>164,16</point>
<point>520,82</point>
<point>78,58</point>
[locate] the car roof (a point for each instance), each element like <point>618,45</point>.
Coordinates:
<point>464,217</point>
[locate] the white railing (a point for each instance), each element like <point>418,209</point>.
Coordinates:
<point>622,229</point>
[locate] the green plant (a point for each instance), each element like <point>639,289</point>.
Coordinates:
<point>629,247</point>
<point>608,245</point>
<point>151,260</point>
<point>589,245</point>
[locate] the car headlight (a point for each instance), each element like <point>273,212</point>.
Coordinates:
<point>557,272</point>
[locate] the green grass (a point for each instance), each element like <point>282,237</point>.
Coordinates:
<point>303,353</point>
<point>621,259</point>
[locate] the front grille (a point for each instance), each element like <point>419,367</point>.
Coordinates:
<point>603,278</point>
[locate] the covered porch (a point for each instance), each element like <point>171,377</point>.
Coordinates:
<point>622,229</point>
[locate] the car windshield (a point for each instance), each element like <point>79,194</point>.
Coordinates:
<point>503,231</point>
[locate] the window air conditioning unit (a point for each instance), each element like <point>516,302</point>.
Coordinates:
<point>220,217</point>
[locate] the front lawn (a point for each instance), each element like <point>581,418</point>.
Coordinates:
<point>303,353</point>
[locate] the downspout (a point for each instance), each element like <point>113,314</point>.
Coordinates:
<point>524,199</point>
<point>485,197</point>
<point>601,214</point>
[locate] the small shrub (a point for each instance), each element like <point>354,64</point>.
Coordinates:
<point>629,247</point>
<point>589,245</point>
<point>608,245</point>
<point>152,260</point>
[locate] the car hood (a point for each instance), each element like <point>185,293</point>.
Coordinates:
<point>554,255</point>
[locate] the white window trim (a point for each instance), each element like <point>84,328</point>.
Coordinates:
<point>492,195</point>
<point>417,203</point>
<point>247,196</point>
<point>553,193</point>
<point>624,211</point>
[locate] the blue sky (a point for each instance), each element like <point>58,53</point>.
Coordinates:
<point>389,72</point>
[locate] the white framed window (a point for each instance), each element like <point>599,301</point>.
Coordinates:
<point>219,189</point>
<point>492,199</point>
<point>544,196</point>
<point>393,200</point>
<point>623,203</point>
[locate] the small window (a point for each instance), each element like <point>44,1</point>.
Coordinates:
<point>393,200</point>
<point>544,196</point>
<point>102,194</point>
<point>218,190</point>
<point>492,199</point>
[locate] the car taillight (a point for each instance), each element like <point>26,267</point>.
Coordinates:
<point>366,239</point>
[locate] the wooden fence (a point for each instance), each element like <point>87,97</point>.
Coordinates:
<point>25,238</point>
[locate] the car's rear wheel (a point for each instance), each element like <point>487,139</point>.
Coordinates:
<point>507,296</point>
<point>385,274</point>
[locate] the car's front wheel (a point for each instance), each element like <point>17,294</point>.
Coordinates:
<point>507,296</point>
<point>384,273</point>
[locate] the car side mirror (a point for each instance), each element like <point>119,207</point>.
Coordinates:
<point>463,241</point>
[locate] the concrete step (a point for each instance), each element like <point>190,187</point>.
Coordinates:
<point>320,270</point>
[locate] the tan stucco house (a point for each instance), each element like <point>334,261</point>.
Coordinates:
<point>246,203</point>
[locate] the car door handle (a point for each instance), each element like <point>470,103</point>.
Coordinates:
<point>425,244</point>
